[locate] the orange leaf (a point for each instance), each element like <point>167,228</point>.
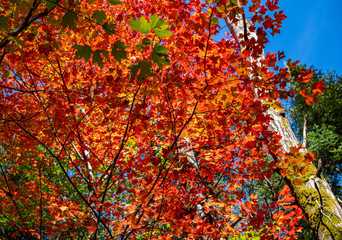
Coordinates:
<point>303,92</point>
<point>305,76</point>
<point>318,87</point>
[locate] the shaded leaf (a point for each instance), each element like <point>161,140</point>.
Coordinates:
<point>97,58</point>
<point>3,22</point>
<point>25,5</point>
<point>105,54</point>
<point>49,4</point>
<point>115,2</point>
<point>134,70</point>
<point>159,55</point>
<point>145,43</point>
<point>83,51</point>
<point>144,68</point>
<point>99,16</point>
<point>118,51</point>
<point>109,28</point>
<point>69,19</point>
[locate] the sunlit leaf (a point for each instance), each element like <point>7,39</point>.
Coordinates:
<point>140,25</point>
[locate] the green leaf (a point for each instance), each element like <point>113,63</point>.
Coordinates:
<point>3,22</point>
<point>145,68</point>
<point>159,55</point>
<point>134,70</point>
<point>160,49</point>
<point>109,28</point>
<point>154,19</point>
<point>14,1</point>
<point>140,25</point>
<point>118,51</point>
<point>146,41</point>
<point>105,53</point>
<point>140,47</point>
<point>161,24</point>
<point>99,16</point>
<point>163,33</point>
<point>158,25</point>
<point>234,2</point>
<point>69,19</point>
<point>25,5</point>
<point>49,4</point>
<point>97,58</point>
<point>161,29</point>
<point>214,21</point>
<point>83,51</point>
<point>219,9</point>
<point>115,2</point>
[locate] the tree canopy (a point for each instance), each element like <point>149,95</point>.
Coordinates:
<point>126,120</point>
<point>323,122</point>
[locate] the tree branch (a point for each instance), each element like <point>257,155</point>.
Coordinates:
<point>304,131</point>
<point>29,19</point>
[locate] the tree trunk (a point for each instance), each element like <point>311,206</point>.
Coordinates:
<point>312,192</point>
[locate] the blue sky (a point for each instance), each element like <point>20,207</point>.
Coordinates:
<point>311,33</point>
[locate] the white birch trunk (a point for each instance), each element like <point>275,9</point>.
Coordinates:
<point>91,188</point>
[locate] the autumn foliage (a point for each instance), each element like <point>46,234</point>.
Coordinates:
<point>131,120</point>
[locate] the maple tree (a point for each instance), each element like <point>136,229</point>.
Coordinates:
<point>126,119</point>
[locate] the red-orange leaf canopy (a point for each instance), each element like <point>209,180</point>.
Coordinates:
<point>126,120</point>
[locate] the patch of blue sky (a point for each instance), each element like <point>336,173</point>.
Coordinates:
<point>310,34</point>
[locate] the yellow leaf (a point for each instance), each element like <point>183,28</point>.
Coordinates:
<point>63,208</point>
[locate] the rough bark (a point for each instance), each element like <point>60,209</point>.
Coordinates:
<point>312,192</point>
